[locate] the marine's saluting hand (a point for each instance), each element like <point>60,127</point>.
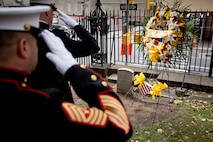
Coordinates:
<point>67,19</point>
<point>59,55</point>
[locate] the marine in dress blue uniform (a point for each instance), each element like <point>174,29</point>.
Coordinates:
<point>45,74</point>
<point>29,114</point>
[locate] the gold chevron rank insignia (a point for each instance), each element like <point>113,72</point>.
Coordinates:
<point>116,112</point>
<point>87,116</point>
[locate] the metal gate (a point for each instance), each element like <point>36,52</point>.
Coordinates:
<point>199,59</point>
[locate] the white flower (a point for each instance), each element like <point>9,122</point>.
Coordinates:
<point>172,25</point>
<point>170,37</point>
<point>151,43</point>
<point>150,21</point>
<point>173,13</point>
<point>162,12</point>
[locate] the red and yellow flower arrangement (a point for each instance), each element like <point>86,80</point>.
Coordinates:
<point>164,31</point>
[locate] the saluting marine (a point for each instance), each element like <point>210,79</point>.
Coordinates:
<point>30,114</point>
<point>45,74</point>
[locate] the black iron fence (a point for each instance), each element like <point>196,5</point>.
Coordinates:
<point>115,51</point>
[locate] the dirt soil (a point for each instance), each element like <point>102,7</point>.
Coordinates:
<point>144,111</point>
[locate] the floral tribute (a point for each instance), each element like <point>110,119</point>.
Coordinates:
<point>165,35</point>
<point>164,31</point>
<point>147,88</point>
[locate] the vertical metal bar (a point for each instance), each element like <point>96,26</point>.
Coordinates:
<point>202,26</point>
<point>127,28</point>
<point>106,38</point>
<point>211,63</point>
<point>118,23</point>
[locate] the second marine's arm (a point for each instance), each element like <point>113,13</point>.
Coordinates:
<point>86,44</point>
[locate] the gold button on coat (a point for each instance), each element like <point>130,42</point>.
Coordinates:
<point>104,83</point>
<point>25,79</point>
<point>83,66</point>
<point>93,77</point>
<point>24,85</point>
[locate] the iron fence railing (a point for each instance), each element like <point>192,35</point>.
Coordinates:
<point>198,59</point>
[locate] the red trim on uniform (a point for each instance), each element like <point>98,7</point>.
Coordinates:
<point>28,88</point>
<point>15,70</point>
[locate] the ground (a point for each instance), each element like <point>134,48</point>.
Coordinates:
<point>144,111</point>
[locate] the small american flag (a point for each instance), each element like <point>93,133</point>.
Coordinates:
<point>145,88</point>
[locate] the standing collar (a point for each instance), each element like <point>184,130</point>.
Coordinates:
<point>13,74</point>
<point>44,25</point>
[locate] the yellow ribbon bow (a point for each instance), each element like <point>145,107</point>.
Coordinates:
<point>157,88</point>
<point>139,79</point>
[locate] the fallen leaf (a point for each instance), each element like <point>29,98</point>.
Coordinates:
<point>203,119</point>
<point>159,130</point>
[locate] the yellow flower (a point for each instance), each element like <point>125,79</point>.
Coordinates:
<point>148,40</point>
<point>175,43</point>
<point>166,52</point>
<point>181,15</point>
<point>139,79</point>
<point>154,54</point>
<point>179,34</point>
<point>162,47</point>
<point>149,26</point>
<point>167,15</point>
<point>156,16</point>
<point>157,88</point>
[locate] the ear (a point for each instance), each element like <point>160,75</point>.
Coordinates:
<point>47,13</point>
<point>23,49</point>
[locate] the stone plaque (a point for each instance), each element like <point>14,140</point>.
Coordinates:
<point>124,80</point>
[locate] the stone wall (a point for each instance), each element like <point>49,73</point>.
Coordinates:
<point>75,6</point>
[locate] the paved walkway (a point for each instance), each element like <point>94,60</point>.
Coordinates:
<point>191,81</point>
<point>180,79</point>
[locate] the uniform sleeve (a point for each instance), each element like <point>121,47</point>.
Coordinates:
<point>85,45</point>
<point>106,115</point>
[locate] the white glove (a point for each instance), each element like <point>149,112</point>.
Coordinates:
<point>59,55</point>
<point>67,19</point>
